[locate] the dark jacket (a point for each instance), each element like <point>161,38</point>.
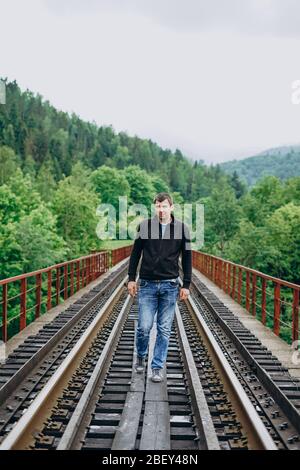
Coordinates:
<point>160,255</point>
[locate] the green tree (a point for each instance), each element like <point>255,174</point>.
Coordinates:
<point>29,166</point>
<point>238,186</point>
<point>283,228</point>
<point>292,190</point>
<point>45,182</point>
<point>263,199</point>
<point>141,188</point>
<point>10,208</point>
<point>23,188</point>
<point>222,215</point>
<point>76,217</point>
<point>160,186</point>
<point>38,242</point>
<point>8,163</point>
<point>248,246</point>
<point>110,184</point>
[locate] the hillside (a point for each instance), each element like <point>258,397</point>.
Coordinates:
<point>283,162</point>
<point>47,141</point>
<point>56,169</point>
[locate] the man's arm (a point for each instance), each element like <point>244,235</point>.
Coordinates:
<point>186,257</point>
<point>135,256</point>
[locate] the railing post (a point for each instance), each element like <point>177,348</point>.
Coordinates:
<point>82,273</point>
<point>38,295</point>
<point>222,275</point>
<point>72,279</point>
<point>57,285</point>
<point>248,291</point>
<point>86,272</point>
<point>49,300</point>
<point>23,304</point>
<point>215,270</point>
<point>65,281</point>
<point>89,270</point>
<point>234,282</point>
<point>264,301</point>
<point>277,309</point>
<point>99,257</point>
<point>240,285</point>
<point>225,277</point>
<point>93,268</point>
<point>96,259</point>
<point>112,258</point>
<point>229,279</point>
<point>78,275</point>
<point>254,280</point>
<point>4,313</point>
<point>295,319</point>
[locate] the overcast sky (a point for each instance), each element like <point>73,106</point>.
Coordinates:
<point>211,77</point>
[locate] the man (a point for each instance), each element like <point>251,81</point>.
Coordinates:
<point>161,240</point>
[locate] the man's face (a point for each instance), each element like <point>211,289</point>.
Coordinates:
<point>163,210</point>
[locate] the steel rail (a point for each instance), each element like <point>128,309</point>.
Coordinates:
<point>259,431</point>
<point>8,388</point>
<point>34,417</point>
<point>69,435</point>
<point>208,436</point>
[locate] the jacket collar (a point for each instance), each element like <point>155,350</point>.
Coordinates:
<point>157,219</point>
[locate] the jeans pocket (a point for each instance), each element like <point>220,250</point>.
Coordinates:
<point>143,283</point>
<point>174,283</point>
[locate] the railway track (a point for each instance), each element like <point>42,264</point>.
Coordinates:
<point>274,393</point>
<point>91,398</point>
<point>31,365</point>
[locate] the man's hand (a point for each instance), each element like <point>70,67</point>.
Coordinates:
<point>132,288</point>
<point>184,293</point>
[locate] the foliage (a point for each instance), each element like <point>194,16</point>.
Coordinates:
<point>283,163</point>
<point>55,170</point>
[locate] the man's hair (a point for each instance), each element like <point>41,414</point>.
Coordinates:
<point>162,196</point>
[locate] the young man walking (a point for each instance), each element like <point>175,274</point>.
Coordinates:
<point>161,240</point>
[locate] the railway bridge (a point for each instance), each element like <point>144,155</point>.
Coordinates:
<point>67,379</point>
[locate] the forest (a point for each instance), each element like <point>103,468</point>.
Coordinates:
<point>283,162</point>
<point>55,170</point>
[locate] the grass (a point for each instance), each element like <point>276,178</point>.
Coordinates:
<point>114,244</point>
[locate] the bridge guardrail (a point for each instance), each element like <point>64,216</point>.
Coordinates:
<point>273,301</point>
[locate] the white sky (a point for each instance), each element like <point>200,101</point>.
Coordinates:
<point>211,77</point>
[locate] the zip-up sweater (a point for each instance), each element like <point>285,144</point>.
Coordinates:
<point>161,254</point>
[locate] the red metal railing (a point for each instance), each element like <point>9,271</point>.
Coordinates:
<point>26,297</point>
<point>273,301</point>
<point>120,253</point>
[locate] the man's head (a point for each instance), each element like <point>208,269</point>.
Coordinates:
<point>163,207</point>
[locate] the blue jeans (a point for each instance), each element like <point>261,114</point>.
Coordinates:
<point>156,297</point>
